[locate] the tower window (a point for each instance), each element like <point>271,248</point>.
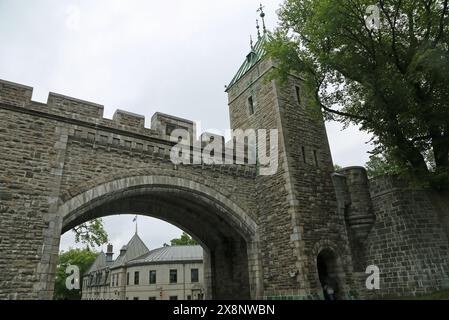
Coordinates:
<point>298,94</point>
<point>250,105</point>
<point>136,277</point>
<point>315,157</point>
<point>303,154</point>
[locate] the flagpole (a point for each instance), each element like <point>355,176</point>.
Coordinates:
<point>135,219</point>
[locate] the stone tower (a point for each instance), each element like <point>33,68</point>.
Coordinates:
<point>303,237</point>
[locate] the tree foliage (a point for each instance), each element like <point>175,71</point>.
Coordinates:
<point>378,166</point>
<point>337,167</point>
<point>184,240</point>
<point>392,81</point>
<point>83,258</point>
<point>91,233</point>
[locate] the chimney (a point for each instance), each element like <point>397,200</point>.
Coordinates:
<point>109,253</point>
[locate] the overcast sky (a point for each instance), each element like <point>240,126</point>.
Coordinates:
<point>141,56</point>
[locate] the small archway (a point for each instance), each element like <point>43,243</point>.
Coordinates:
<point>330,273</point>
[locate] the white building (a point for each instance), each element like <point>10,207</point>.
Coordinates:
<point>174,272</point>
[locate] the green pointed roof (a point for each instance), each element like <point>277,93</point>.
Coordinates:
<point>253,57</point>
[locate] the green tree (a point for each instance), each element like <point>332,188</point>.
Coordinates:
<point>83,258</point>
<point>391,80</point>
<point>378,166</point>
<point>184,240</point>
<point>337,167</point>
<point>91,233</point>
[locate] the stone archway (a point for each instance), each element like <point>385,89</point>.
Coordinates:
<point>228,234</point>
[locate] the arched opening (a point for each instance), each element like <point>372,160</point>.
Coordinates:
<point>138,262</point>
<point>329,275</point>
<point>225,232</point>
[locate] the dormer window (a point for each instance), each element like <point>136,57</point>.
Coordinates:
<point>251,57</point>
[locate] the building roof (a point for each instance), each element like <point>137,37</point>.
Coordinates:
<point>99,263</point>
<point>135,248</point>
<point>253,57</point>
<point>171,254</point>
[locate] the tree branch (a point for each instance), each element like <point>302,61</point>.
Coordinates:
<point>441,27</point>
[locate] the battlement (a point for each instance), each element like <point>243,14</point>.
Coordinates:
<point>60,103</point>
<point>126,131</point>
<point>18,95</point>
<point>129,119</point>
<point>164,124</point>
<point>14,93</point>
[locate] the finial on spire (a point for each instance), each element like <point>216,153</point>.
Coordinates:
<point>262,15</point>
<point>258,29</point>
<point>251,42</point>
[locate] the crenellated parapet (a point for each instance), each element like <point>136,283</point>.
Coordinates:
<point>165,124</point>
<point>129,119</point>
<point>125,133</point>
<point>68,105</point>
<point>15,94</point>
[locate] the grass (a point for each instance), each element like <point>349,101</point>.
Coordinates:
<point>440,295</point>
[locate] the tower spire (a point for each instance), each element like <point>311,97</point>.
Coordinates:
<point>262,15</point>
<point>258,29</point>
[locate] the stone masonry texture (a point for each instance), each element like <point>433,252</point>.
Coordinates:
<point>63,164</point>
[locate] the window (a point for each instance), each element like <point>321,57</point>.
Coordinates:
<point>136,277</point>
<point>173,276</point>
<point>189,297</point>
<point>315,157</point>
<point>173,298</point>
<point>250,105</point>
<point>298,94</point>
<point>113,280</point>
<point>136,298</point>
<point>116,279</point>
<point>152,276</point>
<point>194,275</point>
<point>303,154</point>
<point>151,298</point>
<point>127,278</point>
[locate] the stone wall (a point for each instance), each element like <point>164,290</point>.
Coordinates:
<point>408,241</point>
<point>58,153</point>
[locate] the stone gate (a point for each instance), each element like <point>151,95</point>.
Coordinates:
<point>264,236</point>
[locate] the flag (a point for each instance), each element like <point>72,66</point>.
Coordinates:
<point>135,219</point>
